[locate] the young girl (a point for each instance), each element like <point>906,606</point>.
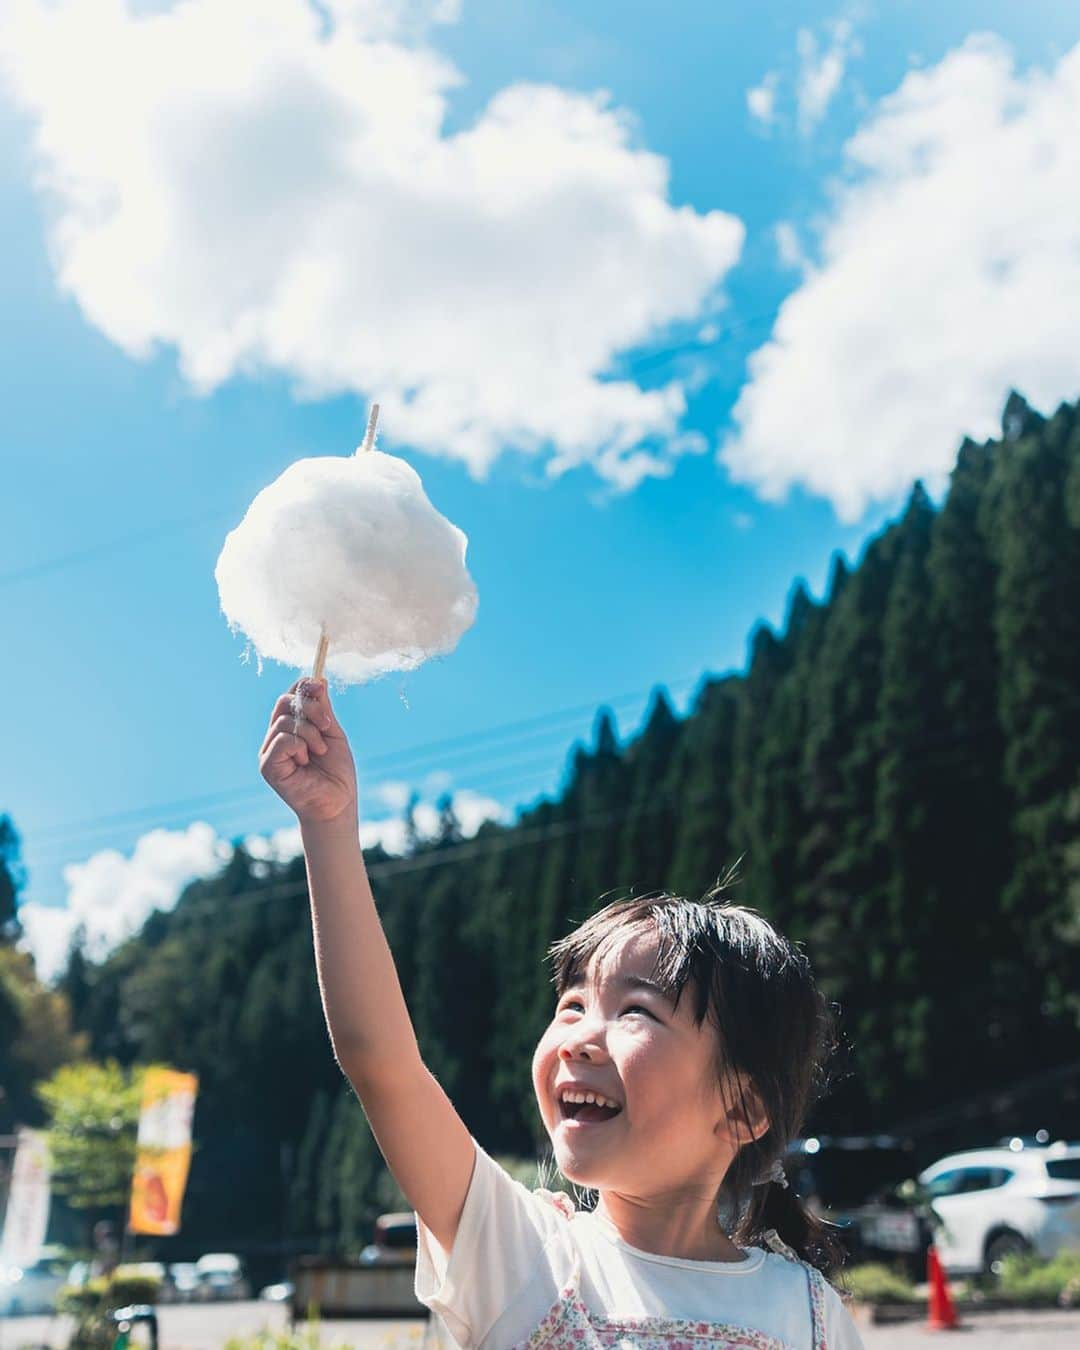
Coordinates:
<point>684,1049</point>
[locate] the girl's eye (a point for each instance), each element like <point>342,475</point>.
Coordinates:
<point>573,1003</point>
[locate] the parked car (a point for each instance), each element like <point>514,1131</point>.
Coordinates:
<point>34,1289</point>
<point>221,1276</point>
<point>379,1282</point>
<point>281,1292</point>
<point>994,1202</point>
<point>182,1285</point>
<point>393,1241</point>
<point>852,1181</point>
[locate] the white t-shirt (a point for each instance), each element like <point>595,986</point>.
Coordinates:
<point>523,1272</point>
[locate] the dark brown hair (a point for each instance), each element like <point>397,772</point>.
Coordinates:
<point>774,1028</point>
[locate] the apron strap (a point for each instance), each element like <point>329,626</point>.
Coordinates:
<point>815,1288</point>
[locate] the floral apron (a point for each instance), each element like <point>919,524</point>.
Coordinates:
<point>569,1325</point>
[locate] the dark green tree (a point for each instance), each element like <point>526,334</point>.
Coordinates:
<point>12,880</point>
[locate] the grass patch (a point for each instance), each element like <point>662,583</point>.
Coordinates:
<point>1027,1279</point>
<point>875,1282</point>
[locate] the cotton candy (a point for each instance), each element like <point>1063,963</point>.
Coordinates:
<point>353,547</point>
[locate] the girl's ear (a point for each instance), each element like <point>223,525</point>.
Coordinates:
<point>744,1111</point>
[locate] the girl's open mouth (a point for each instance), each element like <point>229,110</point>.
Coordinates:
<point>575,1111</point>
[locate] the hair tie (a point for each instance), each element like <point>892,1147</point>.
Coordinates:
<point>775,1173</point>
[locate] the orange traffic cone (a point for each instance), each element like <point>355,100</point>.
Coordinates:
<point>942,1310</point>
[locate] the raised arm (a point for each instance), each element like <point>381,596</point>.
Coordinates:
<point>423,1139</point>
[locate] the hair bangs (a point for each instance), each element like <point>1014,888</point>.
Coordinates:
<point>683,955</point>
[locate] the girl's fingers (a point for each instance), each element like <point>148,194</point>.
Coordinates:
<point>282,748</point>
<point>316,704</point>
<point>281,709</point>
<point>303,728</point>
<point>318,715</point>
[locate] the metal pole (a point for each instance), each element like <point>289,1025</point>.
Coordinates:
<point>7,1141</point>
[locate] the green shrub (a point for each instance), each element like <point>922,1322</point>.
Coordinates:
<point>124,1289</point>
<point>1027,1279</point>
<point>81,1299</point>
<point>91,1303</point>
<point>309,1338</point>
<point>300,1338</point>
<point>877,1283</point>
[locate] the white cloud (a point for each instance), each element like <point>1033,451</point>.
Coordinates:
<point>277,847</point>
<point>822,65</point>
<point>945,277</point>
<point>474,808</point>
<point>761,100</point>
<point>399,20</point>
<point>391,794</point>
<point>112,894</point>
<point>437,781</point>
<point>264,186</point>
<point>789,246</point>
<point>821,71</point>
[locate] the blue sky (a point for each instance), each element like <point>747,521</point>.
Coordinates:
<point>643,462</point>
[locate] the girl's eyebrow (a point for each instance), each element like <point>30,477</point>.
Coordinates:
<point>642,982</point>
<point>639,982</point>
<point>635,982</point>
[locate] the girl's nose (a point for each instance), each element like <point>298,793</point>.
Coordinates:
<point>585,1045</point>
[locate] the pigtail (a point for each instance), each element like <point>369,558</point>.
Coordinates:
<point>774,1207</point>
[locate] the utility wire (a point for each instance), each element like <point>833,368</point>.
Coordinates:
<point>517,836</point>
<point>938,749</point>
<point>416,761</point>
<point>95,551</point>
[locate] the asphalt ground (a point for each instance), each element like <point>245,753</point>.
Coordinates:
<point>208,1326</point>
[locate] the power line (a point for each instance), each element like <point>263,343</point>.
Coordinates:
<point>108,546</point>
<point>415,760</point>
<point>253,819</point>
<point>735,326</point>
<point>936,748</point>
<point>515,836</point>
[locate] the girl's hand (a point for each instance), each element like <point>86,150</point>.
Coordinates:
<point>307,760</point>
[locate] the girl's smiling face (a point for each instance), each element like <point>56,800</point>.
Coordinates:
<point>617,1034</point>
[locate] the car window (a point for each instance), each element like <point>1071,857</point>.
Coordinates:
<point>1064,1169</point>
<point>973,1179</point>
<point>945,1183</point>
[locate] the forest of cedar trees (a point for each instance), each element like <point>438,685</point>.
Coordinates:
<point>898,772</point>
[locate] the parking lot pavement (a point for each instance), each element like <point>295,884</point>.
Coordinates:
<point>208,1326</point>
<point>1048,1329</point>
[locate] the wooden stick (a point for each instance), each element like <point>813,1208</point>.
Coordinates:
<point>369,435</point>
<point>320,656</point>
<point>324,641</point>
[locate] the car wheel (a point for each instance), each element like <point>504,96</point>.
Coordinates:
<point>1001,1245</point>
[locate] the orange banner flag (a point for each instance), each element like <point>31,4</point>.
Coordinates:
<point>163,1152</point>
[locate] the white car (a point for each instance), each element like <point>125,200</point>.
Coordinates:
<point>33,1289</point>
<point>221,1276</point>
<point>182,1285</point>
<point>994,1202</point>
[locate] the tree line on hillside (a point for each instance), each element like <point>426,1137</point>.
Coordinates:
<point>896,768</point>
